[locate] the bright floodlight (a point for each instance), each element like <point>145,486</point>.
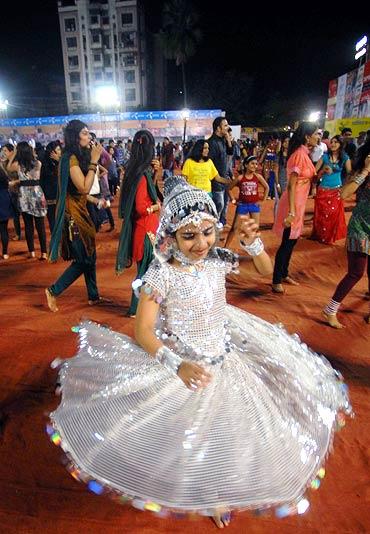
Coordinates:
<point>185,114</point>
<point>362,42</point>
<point>360,53</point>
<point>106,96</point>
<point>3,104</point>
<point>314,116</point>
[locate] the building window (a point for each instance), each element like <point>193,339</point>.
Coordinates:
<point>94,19</point>
<point>73,61</point>
<point>97,57</point>
<point>109,76</point>
<point>130,76</point>
<point>74,77</point>
<point>129,60</point>
<point>70,25</point>
<point>128,39</point>
<point>107,61</point>
<point>71,42</point>
<point>96,38</point>
<point>106,41</point>
<point>127,18</point>
<point>105,21</point>
<point>98,76</point>
<point>76,96</point>
<point>130,95</point>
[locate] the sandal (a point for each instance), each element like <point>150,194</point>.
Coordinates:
<point>100,300</point>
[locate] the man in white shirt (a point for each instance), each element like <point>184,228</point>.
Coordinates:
<point>318,150</point>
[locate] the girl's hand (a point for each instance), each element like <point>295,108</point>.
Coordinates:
<point>327,169</point>
<point>367,163</point>
<point>193,375</point>
<point>96,151</point>
<point>248,230</point>
<point>155,165</point>
<point>288,221</point>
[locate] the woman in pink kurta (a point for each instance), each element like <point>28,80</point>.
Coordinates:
<point>290,214</point>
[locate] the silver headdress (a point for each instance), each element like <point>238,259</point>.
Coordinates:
<point>183,204</point>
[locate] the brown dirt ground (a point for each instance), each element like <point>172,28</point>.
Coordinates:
<point>38,495</point>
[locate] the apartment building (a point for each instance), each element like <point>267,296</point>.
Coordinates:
<point>103,43</point>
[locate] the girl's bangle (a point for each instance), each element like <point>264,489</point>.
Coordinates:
<point>359,179</point>
<point>169,359</point>
<point>291,214</point>
<point>255,248</point>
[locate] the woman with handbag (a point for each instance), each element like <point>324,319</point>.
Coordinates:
<point>73,235</point>
<point>31,198</point>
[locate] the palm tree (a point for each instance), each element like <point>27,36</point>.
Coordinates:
<point>180,34</point>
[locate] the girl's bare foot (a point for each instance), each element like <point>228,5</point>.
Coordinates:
<point>222,519</point>
<point>31,255</point>
<point>332,320</point>
<point>5,256</point>
<point>52,301</point>
<point>291,281</point>
<point>43,256</point>
<point>277,288</point>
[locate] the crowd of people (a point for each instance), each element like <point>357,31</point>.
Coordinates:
<point>173,203</point>
<point>286,168</point>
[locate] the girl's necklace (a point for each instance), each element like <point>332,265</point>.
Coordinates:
<point>192,266</point>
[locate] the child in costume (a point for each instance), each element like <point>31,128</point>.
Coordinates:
<point>249,197</point>
<point>213,409</point>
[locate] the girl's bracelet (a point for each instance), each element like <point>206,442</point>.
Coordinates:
<point>169,359</point>
<point>255,248</point>
<point>359,179</point>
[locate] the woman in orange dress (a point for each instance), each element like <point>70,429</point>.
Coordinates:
<point>290,215</point>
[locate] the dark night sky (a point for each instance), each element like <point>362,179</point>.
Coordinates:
<point>288,56</point>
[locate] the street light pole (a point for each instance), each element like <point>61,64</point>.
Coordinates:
<point>185,114</point>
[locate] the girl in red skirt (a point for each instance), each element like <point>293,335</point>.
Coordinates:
<point>329,223</point>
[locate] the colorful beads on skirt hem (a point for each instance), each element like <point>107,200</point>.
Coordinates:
<point>299,506</point>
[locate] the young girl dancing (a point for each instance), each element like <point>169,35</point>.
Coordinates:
<point>358,235</point>
<point>249,198</point>
<point>211,409</point>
